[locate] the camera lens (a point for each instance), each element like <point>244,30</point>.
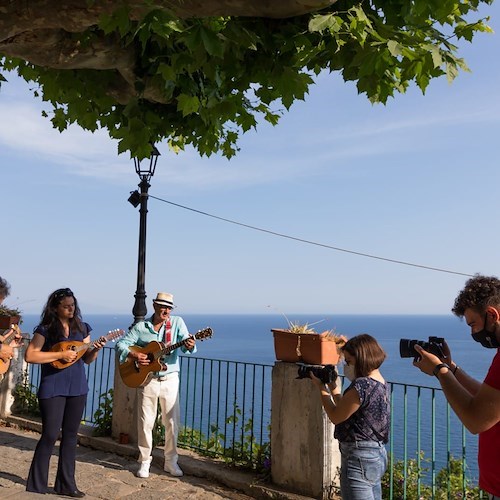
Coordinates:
<point>406,349</point>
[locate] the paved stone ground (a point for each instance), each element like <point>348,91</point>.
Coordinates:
<point>106,470</point>
<point>100,474</point>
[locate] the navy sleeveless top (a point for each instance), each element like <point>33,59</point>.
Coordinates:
<point>371,422</point>
<point>70,381</point>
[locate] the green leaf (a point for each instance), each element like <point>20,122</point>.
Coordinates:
<point>187,104</point>
<point>394,48</point>
<point>212,43</point>
<point>324,22</point>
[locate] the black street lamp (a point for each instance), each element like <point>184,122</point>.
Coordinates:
<point>141,198</point>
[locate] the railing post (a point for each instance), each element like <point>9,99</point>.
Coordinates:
<point>304,454</point>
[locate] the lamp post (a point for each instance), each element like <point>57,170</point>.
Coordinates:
<point>141,198</point>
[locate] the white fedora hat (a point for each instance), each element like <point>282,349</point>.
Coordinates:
<point>164,299</point>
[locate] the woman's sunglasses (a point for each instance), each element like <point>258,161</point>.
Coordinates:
<point>63,292</point>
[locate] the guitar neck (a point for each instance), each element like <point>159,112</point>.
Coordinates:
<point>169,348</point>
<point>10,336</point>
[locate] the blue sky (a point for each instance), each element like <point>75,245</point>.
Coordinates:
<point>414,181</point>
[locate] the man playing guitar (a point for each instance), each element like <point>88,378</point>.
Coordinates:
<point>163,385</point>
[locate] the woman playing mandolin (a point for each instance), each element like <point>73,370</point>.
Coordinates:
<point>62,393</point>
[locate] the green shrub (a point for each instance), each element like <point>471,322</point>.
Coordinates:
<point>410,483</point>
<point>25,398</point>
<point>103,416</point>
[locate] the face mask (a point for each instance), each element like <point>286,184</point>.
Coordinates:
<point>485,338</point>
<point>350,372</point>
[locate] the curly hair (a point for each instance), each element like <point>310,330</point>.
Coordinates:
<point>479,293</point>
<point>4,288</point>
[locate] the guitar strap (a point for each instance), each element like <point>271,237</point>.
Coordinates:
<point>168,332</point>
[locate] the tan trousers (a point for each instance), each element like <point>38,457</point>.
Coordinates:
<point>167,391</point>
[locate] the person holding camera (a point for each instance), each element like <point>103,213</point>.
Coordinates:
<point>362,418</point>
<point>476,404</point>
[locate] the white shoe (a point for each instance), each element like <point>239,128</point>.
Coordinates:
<point>143,469</point>
<point>173,469</point>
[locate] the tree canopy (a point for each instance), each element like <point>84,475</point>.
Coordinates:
<point>202,73</point>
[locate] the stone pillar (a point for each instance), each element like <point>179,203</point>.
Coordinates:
<point>305,457</point>
<point>124,409</point>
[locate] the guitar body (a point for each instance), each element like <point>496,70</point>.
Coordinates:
<point>135,375</point>
<point>66,345</point>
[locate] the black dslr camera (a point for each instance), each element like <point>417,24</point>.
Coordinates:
<point>434,346</point>
<point>326,373</point>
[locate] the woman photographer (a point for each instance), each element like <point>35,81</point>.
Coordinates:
<point>361,417</point>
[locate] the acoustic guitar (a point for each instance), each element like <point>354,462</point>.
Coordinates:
<point>8,338</point>
<point>80,348</point>
<point>135,375</point>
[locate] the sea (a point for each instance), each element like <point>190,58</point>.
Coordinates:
<point>248,338</point>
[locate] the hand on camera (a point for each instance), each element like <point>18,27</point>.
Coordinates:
<point>316,380</point>
<point>427,361</point>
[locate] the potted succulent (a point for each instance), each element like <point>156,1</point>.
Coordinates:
<point>301,343</point>
<point>9,316</point>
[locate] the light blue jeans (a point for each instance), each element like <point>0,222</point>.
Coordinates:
<point>363,464</point>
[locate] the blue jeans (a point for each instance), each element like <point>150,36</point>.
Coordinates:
<point>363,464</point>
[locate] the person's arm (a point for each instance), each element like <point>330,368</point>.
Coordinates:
<point>478,411</point>
<point>93,351</point>
<point>338,407</point>
<point>189,346</point>
<point>6,352</point>
<point>34,353</point>
<point>470,384</point>
<point>7,349</point>
<point>123,347</point>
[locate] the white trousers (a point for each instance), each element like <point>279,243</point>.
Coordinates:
<point>167,391</point>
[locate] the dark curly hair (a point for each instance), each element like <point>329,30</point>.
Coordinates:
<point>479,293</point>
<point>4,288</point>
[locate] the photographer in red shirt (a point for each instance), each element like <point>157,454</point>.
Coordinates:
<point>476,404</point>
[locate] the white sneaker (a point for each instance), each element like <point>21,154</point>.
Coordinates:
<point>143,469</point>
<point>173,469</point>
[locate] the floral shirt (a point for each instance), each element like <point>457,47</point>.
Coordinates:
<point>371,421</point>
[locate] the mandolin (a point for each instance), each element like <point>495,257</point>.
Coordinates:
<point>135,375</point>
<point>80,348</point>
<point>8,338</point>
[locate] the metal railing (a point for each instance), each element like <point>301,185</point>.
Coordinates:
<point>226,413</point>
<point>226,409</point>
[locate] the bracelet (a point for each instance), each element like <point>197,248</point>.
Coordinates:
<point>435,372</point>
<point>455,369</point>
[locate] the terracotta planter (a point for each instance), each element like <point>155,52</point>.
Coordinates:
<point>311,348</point>
<point>6,321</point>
